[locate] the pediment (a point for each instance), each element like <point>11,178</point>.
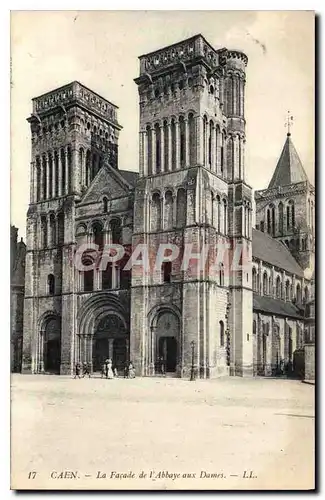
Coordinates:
<point>109,182</point>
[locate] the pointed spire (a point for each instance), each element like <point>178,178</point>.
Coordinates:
<point>289,169</point>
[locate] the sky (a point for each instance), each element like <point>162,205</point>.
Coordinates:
<point>101,49</point>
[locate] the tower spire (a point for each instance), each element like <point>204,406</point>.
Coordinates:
<point>289,123</point>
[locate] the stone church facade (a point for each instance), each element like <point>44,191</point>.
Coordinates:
<point>190,192</point>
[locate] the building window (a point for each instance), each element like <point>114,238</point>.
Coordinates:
<point>53,230</point>
<point>167,271</point>
<point>182,140</point>
<point>107,275</point>
<point>254,279</point>
<point>265,283</point>
<point>222,333</point>
<point>98,235</point>
<point>44,231</point>
<point>105,205</point>
<point>221,275</point>
<point>158,148</point>
<point>298,293</point>
<point>254,327</point>
<point>51,284</point>
<point>281,218</point>
<point>88,275</point>
<point>278,287</point>
<point>287,290</point>
<point>116,231</point>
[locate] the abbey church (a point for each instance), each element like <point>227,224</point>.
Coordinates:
<point>188,186</point>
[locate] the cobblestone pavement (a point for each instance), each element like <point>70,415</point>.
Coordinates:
<point>160,429</point>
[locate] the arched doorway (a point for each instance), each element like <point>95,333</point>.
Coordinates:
<point>167,329</point>
<point>52,345</point>
<point>110,341</point>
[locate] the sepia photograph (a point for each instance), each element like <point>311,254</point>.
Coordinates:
<point>162,265</point>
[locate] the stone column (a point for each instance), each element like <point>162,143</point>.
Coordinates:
<point>32,182</point>
<point>174,209</point>
<point>60,173</point>
<point>218,139</point>
<point>42,179</point>
<point>74,171</point>
<point>90,348</point>
<point>67,172</point>
<point>162,144</point>
<point>110,348</point>
<point>152,351</point>
<point>169,133</point>
<point>47,163</point>
<point>213,149</point>
<point>53,175</point>
<point>187,143</point>
<point>153,150</point>
<point>178,144</point>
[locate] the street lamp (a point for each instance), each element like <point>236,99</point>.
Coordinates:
<point>192,366</point>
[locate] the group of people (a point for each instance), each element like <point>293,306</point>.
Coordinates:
<point>107,370</point>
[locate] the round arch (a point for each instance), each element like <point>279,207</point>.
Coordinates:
<point>103,332</point>
<point>166,332</point>
<point>50,342</point>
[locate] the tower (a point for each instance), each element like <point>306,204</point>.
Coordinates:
<point>73,131</point>
<point>191,197</point>
<point>286,209</point>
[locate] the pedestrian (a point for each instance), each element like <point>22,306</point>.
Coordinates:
<point>131,371</point>
<point>103,370</point>
<point>85,369</point>
<point>162,366</point>
<point>109,370</point>
<point>115,372</point>
<point>78,370</point>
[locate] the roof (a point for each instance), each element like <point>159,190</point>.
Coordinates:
<point>275,306</point>
<point>130,176</point>
<point>274,252</point>
<point>289,169</point>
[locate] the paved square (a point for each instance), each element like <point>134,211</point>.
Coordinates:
<point>162,433</point>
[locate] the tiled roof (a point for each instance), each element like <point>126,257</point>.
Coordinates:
<point>129,176</point>
<point>275,306</point>
<point>289,169</point>
<point>274,252</point>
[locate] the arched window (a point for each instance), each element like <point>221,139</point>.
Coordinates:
<point>105,205</point>
<point>44,178</point>
<point>230,158</point>
<point>254,327</point>
<point>51,284</point>
<point>210,144</point>
<point>116,231</point>
<point>192,144</point>
<point>222,333</point>
<point>306,294</point>
<point>158,148</point>
<point>53,230</point>
<point>166,151</point>
<point>278,287</point>
<point>50,158</point>
<point>82,167</point>
<point>287,290</point>
<point>270,286</point>
<point>44,231</point>
<point>60,228</point>
<point>149,149</point>
<point>181,208</point>
<point>173,134</point>
<point>222,154</point>
<point>63,190</point>
<point>268,221</point>
<point>217,147</point>
<point>298,293</point>
<point>218,203</point>
<point>107,275</point>
<point>88,274</point>
<point>221,275</point>
<point>273,219</point>
<point>265,283</point>
<point>290,215</point>
<point>155,212</point>
<point>69,161</point>
<point>254,279</point>
<point>98,235</point>
<point>88,168</point>
<point>182,141</point>
<point>205,132</point>
<point>281,218</point>
<point>166,271</point>
<point>168,213</point>
<point>225,217</point>
<point>38,179</point>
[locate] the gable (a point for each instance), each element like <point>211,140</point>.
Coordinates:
<point>107,182</point>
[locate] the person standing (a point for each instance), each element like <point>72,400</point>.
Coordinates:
<point>86,370</point>
<point>78,371</point>
<point>109,369</point>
